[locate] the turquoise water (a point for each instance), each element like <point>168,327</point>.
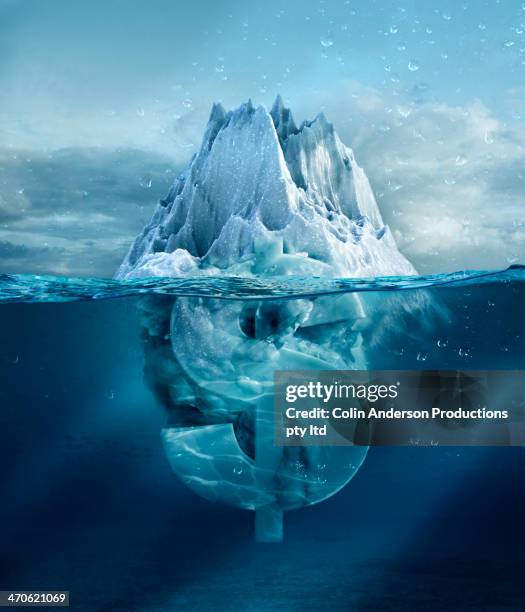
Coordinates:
<point>37,288</point>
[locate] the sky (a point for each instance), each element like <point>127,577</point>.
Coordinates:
<point>102,104</point>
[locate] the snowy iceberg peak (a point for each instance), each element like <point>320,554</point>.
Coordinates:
<point>258,179</point>
<point>283,120</point>
<point>321,165</point>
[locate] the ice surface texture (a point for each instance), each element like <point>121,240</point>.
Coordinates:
<point>262,198</point>
<point>258,181</point>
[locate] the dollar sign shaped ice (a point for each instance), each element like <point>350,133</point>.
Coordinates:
<point>262,198</point>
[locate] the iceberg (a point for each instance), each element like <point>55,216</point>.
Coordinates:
<point>261,186</point>
<point>261,197</point>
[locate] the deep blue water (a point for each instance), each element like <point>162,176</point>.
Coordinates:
<point>89,504</point>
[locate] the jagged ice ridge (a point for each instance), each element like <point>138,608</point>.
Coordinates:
<point>260,184</point>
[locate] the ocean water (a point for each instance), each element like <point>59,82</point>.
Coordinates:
<point>89,503</point>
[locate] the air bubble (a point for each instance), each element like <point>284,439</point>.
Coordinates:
<point>326,42</point>
<point>404,111</point>
<point>146,182</point>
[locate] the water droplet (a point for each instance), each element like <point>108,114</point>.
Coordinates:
<point>463,353</point>
<point>326,41</point>
<point>489,138</point>
<point>428,30</point>
<point>187,103</point>
<point>237,470</point>
<point>219,68</point>
<point>394,29</point>
<point>422,356</point>
<point>442,343</point>
<point>413,65</point>
<point>401,47</point>
<point>446,16</point>
<point>299,466</point>
<point>508,43</point>
<point>461,160</point>
<point>482,26</point>
<point>444,55</point>
<point>140,112</point>
<point>145,181</point>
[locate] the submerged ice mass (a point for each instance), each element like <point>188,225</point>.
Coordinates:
<point>262,197</point>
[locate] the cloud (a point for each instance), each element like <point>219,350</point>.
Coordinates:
<point>9,250</point>
<point>75,211</point>
<point>450,180</point>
